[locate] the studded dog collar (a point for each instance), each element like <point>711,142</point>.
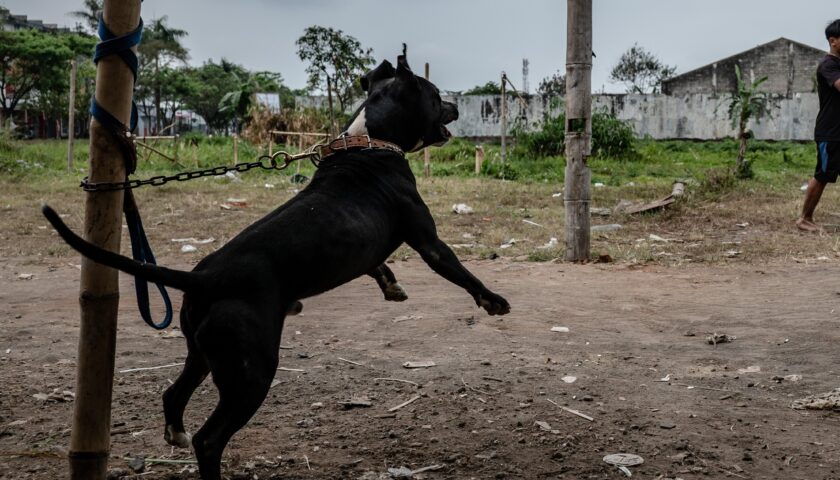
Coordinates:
<point>354,142</point>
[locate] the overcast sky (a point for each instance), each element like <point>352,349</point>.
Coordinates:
<point>469,42</point>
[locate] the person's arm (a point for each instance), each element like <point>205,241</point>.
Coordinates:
<point>830,71</point>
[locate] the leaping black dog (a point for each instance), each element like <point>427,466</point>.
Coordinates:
<point>361,204</point>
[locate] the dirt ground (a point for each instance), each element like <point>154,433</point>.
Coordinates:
<point>636,346</point>
<point>630,327</point>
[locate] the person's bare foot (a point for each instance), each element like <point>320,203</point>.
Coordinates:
<point>807,225</point>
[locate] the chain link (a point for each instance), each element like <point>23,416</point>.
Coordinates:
<point>266,162</point>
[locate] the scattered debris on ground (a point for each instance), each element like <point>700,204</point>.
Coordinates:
<point>716,338</point>
<point>822,401</point>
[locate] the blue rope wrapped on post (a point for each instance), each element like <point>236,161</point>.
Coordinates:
<point>111,44</point>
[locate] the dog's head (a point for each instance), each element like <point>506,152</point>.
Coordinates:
<point>402,108</point>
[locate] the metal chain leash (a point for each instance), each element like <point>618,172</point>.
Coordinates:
<point>266,162</point>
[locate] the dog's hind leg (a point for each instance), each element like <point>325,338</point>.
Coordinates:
<point>241,347</point>
<point>387,282</point>
<point>178,394</point>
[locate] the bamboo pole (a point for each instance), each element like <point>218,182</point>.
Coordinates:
<point>578,128</point>
<point>427,161</point>
<point>71,115</point>
<point>99,291</point>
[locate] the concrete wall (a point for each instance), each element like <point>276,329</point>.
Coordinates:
<point>789,67</point>
<point>699,116</point>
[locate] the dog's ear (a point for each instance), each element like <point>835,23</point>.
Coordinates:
<point>402,65</point>
<point>370,80</point>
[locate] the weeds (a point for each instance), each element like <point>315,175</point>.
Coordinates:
<point>703,225</point>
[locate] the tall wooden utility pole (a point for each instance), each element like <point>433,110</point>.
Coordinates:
<point>578,127</point>
<point>71,115</point>
<point>332,114</point>
<point>503,114</point>
<point>99,295</point>
<point>427,161</point>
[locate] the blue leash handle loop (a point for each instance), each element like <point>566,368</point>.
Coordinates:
<point>141,251</point>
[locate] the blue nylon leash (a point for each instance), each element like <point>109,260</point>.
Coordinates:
<point>141,251</point>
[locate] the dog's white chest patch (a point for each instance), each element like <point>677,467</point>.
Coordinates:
<point>359,125</point>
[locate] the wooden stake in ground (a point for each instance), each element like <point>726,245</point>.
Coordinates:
<point>427,162</point>
<point>99,295</point>
<point>71,115</point>
<point>235,149</point>
<point>578,127</point>
<point>479,158</point>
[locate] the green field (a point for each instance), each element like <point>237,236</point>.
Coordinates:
<point>718,215</point>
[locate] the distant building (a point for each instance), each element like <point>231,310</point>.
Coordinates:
<point>11,22</point>
<point>789,66</point>
<point>269,100</point>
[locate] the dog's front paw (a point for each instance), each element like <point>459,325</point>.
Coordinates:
<point>494,304</point>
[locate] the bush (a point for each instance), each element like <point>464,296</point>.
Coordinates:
<point>611,137</point>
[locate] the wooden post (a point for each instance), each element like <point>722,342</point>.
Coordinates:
<point>235,149</point>
<point>300,150</point>
<point>504,118</point>
<point>578,128</point>
<point>332,114</point>
<point>479,158</point>
<point>427,161</point>
<point>99,291</point>
<point>175,147</point>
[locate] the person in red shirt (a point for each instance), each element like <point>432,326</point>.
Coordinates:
<point>827,129</point>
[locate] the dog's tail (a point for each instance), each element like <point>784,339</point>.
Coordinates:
<point>172,278</point>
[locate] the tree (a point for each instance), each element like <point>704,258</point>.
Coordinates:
<point>553,86</point>
<point>746,103</point>
<point>335,59</point>
<point>33,62</point>
<point>176,85</point>
<point>239,100</point>
<point>160,48</point>
<point>489,88</point>
<point>51,93</point>
<point>641,71</point>
<point>211,82</point>
<point>89,15</point>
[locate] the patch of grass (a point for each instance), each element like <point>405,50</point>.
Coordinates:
<point>718,214</point>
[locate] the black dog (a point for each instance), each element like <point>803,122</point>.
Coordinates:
<point>359,207</point>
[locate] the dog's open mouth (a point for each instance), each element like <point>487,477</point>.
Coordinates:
<point>445,132</point>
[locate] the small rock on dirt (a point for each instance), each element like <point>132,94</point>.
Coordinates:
<point>667,425</point>
<point>137,464</point>
<point>543,425</point>
<point>716,338</point>
<point>401,472</point>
